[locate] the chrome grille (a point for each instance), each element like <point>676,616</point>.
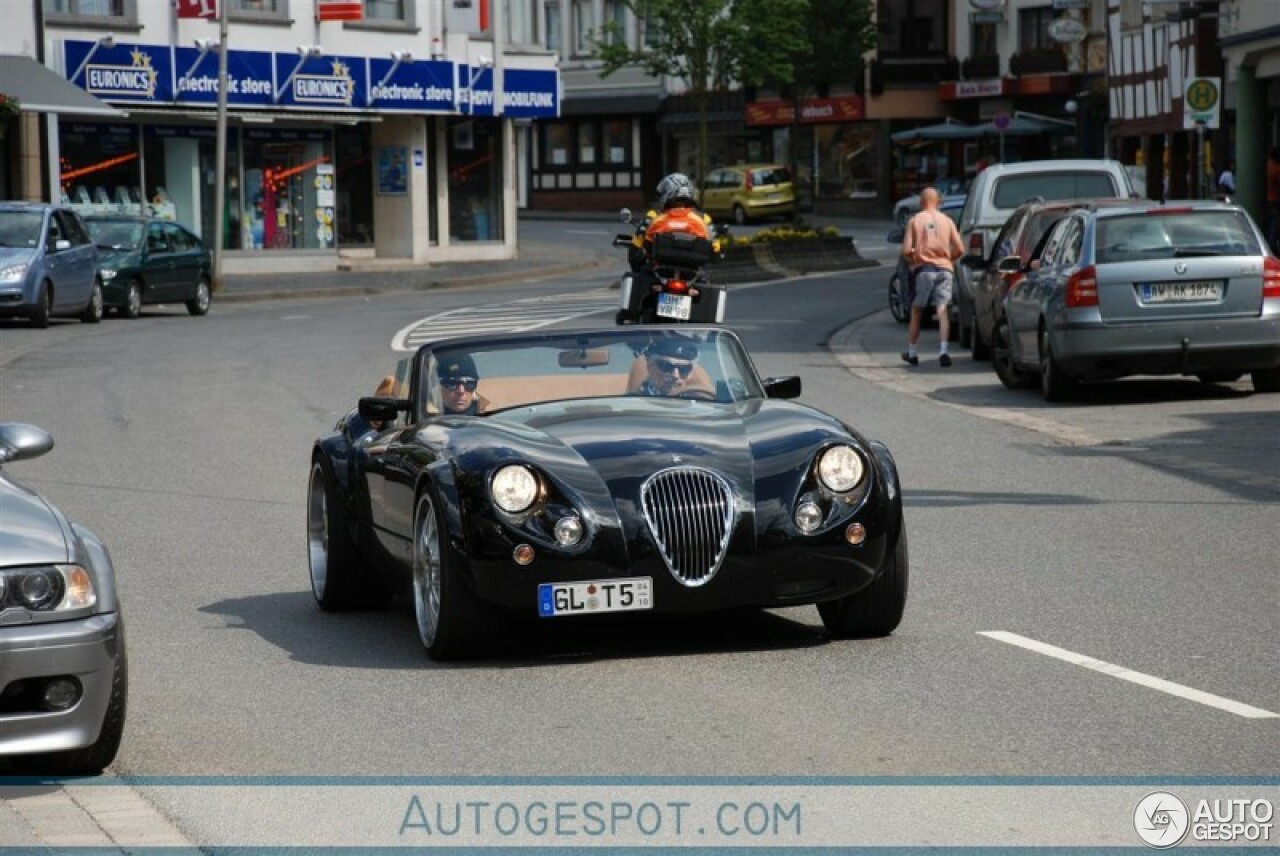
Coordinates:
<point>690,513</point>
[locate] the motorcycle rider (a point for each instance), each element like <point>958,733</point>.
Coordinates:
<point>679,211</point>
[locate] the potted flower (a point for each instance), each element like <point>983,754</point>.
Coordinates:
<point>9,106</point>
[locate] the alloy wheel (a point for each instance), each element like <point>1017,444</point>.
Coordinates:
<point>426,572</point>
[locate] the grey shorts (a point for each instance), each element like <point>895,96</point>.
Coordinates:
<point>932,288</point>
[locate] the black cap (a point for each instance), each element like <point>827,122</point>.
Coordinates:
<point>459,365</point>
<point>678,347</point>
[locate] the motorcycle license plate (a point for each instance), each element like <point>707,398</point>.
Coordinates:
<point>677,306</point>
<point>585,598</point>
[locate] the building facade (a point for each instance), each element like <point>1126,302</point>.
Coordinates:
<point>1249,35</point>
<point>395,136</point>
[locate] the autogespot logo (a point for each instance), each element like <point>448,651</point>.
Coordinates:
<point>1161,819</point>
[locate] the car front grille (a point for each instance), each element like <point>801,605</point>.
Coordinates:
<point>690,513</point>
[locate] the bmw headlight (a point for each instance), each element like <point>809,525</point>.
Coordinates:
<point>14,273</point>
<point>47,588</point>
<point>840,469</point>
<point>108,274</point>
<point>514,488</point>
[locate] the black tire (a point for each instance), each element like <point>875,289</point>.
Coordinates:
<point>1265,380</point>
<point>877,609</point>
<point>740,215</point>
<point>452,623</point>
<point>96,757</point>
<point>981,348</point>
<point>44,307</point>
<point>333,561</point>
<point>199,305</point>
<point>964,335</point>
<point>1002,360</point>
<point>92,313</point>
<point>132,306</point>
<point>1054,385</point>
<point>897,300</point>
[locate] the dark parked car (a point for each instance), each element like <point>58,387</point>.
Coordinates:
<point>142,261</point>
<point>63,672</point>
<point>48,264</point>
<point>574,491</point>
<point>1122,288</point>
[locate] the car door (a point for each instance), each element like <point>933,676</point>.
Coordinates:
<point>712,194</point>
<point>82,257</point>
<point>186,255</point>
<point>987,280</point>
<point>158,265</point>
<point>1023,303</point>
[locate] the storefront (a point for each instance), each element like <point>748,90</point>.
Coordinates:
<point>837,152</point>
<point>317,149</point>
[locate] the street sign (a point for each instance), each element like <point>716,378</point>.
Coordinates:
<point>1001,120</point>
<point>1202,102</point>
<point>1068,31</point>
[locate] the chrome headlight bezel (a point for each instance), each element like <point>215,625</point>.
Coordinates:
<point>840,469</point>
<point>68,589</point>
<point>514,488</point>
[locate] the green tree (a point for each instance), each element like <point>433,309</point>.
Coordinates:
<point>710,44</point>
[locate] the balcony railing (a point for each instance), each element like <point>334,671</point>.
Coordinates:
<point>911,70</point>
<point>983,67</point>
<point>1038,61</point>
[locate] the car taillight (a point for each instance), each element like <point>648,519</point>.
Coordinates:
<point>1082,287</point>
<point>677,286</point>
<point>976,244</point>
<point>1270,277</point>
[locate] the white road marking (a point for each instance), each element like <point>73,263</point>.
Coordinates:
<point>511,317</point>
<point>1149,681</point>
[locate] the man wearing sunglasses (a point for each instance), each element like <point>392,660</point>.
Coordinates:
<point>458,381</point>
<point>669,364</point>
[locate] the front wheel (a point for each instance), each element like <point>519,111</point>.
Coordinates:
<point>898,305</point>
<point>132,307</point>
<point>44,307</point>
<point>740,215</point>
<point>199,304</point>
<point>92,313</point>
<point>877,609</point>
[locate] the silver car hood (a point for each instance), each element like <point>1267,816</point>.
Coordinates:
<point>15,255</point>
<point>31,532</point>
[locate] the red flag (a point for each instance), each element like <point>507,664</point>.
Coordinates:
<point>197,8</point>
<point>339,10</point>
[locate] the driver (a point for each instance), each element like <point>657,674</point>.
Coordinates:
<point>669,365</point>
<point>458,381</point>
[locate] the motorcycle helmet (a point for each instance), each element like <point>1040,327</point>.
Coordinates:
<point>676,190</point>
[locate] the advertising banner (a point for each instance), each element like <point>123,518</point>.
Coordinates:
<point>124,72</point>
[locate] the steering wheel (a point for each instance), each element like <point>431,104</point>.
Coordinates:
<point>698,395</point>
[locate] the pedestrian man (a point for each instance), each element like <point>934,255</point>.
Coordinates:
<point>1227,180</point>
<point>930,244</point>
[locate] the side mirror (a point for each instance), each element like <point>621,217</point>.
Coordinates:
<point>625,215</point>
<point>61,244</point>
<point>782,387</point>
<point>1010,264</point>
<point>382,408</point>
<point>20,441</point>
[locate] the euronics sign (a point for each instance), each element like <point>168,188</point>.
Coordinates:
<point>171,75</point>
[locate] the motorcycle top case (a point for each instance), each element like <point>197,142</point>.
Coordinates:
<point>681,249</point>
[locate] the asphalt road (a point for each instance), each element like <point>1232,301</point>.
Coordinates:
<point>1138,528</point>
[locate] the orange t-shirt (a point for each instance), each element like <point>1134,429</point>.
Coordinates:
<point>931,238</point>
<point>1273,180</point>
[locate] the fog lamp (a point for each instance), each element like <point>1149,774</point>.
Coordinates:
<point>808,516</point>
<point>61,693</point>
<point>568,531</point>
<point>522,554</point>
<point>855,533</point>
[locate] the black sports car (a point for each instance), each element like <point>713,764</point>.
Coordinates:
<point>594,471</point>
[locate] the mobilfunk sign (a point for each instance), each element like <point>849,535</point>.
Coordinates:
<point>161,74</point>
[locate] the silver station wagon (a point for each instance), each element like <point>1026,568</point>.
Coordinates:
<point>1126,287</point>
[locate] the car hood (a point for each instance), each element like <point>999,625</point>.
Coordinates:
<point>111,258</point>
<point>31,531</point>
<point>16,255</point>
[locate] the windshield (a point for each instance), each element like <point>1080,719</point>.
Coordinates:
<point>115,234</point>
<point>20,228</point>
<point>1013,190</point>
<point>1137,237</point>
<point>702,364</point>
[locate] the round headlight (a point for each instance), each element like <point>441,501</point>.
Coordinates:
<point>39,590</point>
<point>514,488</point>
<point>840,469</point>
<point>568,531</point>
<point>808,516</point>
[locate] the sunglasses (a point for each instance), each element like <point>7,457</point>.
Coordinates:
<point>467,383</point>
<point>667,367</point>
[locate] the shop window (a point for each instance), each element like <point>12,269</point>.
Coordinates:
<point>587,144</point>
<point>178,184</point>
<point>848,157</point>
<point>617,142</point>
<point>354,195</point>
<point>557,144</point>
<point>281,193</point>
<point>551,27</point>
<point>93,12</point>
<point>475,179</point>
<point>913,27</point>
<point>1033,28</point>
<point>99,168</point>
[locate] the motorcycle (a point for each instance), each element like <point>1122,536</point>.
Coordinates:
<point>667,281</point>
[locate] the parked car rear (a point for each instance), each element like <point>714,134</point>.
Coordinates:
<point>48,264</point>
<point>1185,288</point>
<point>748,192</point>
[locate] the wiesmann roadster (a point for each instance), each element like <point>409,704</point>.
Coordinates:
<point>596,471</point>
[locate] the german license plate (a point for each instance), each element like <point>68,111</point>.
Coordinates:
<point>586,598</point>
<point>675,306</point>
<point>1181,292</point>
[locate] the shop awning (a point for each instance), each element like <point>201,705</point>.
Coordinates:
<point>40,90</point>
<point>947,130</point>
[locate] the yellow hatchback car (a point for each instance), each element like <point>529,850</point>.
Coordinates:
<point>748,192</point>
